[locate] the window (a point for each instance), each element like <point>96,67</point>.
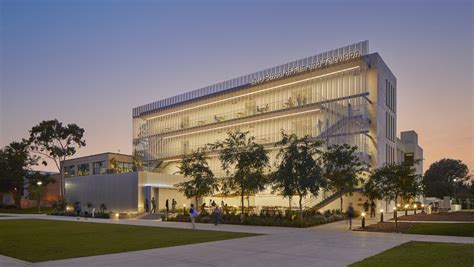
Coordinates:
<point>83,169</point>
<point>69,171</point>
<point>99,167</point>
<point>124,167</point>
<point>409,159</point>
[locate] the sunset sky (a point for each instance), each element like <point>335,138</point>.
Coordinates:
<point>91,62</point>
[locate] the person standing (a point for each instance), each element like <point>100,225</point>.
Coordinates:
<point>78,210</point>
<point>366,206</point>
<point>153,205</point>
<point>167,205</point>
<point>147,205</point>
<point>350,215</point>
<point>372,209</point>
<point>217,215</point>
<point>173,205</point>
<point>193,214</point>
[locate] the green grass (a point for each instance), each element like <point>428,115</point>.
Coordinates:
<point>421,254</point>
<point>27,211</point>
<point>41,240</point>
<point>452,229</point>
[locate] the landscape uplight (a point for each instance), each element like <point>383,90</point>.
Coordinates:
<point>116,215</point>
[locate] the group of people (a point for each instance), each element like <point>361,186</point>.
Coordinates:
<point>153,205</point>
<point>78,211</point>
<point>351,212</point>
<point>216,213</point>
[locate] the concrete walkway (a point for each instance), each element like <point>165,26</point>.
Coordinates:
<point>325,245</point>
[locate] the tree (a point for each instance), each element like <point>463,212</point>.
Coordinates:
<point>201,181</point>
<point>244,161</point>
<point>445,178</point>
<point>342,169</point>
<point>15,162</point>
<point>56,142</point>
<point>392,181</point>
<point>299,172</point>
<point>37,186</point>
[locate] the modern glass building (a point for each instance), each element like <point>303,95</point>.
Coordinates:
<point>345,95</point>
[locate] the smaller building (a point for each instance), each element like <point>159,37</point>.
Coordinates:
<point>98,164</point>
<point>113,179</point>
<point>408,150</point>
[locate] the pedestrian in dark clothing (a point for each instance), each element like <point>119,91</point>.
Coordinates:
<point>193,213</point>
<point>153,205</point>
<point>217,214</point>
<point>78,210</point>
<point>147,205</point>
<point>350,215</point>
<point>213,203</point>
<point>366,206</point>
<point>372,209</point>
<point>167,205</point>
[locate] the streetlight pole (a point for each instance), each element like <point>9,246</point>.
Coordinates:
<point>39,183</point>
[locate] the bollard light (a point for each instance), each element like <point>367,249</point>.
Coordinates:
<point>395,216</point>
<point>422,208</point>
<point>406,209</point>
<point>381,215</point>
<point>363,219</point>
<point>117,216</point>
<point>414,209</point>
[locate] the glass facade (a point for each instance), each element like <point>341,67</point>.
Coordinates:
<point>83,169</point>
<point>329,104</point>
<point>69,171</point>
<point>99,167</point>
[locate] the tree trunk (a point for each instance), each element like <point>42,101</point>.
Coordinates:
<point>62,190</point>
<point>289,203</point>
<point>341,202</point>
<point>301,207</point>
<point>242,206</point>
<point>197,204</point>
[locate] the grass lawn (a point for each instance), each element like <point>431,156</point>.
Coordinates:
<point>41,240</point>
<point>423,254</point>
<point>27,211</point>
<point>453,229</point>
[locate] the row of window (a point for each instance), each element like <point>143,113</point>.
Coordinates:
<point>390,96</point>
<point>99,167</point>
<point>389,154</point>
<point>390,127</point>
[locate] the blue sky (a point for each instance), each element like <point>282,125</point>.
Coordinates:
<point>91,62</point>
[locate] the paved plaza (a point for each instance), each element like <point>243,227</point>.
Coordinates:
<point>326,245</point>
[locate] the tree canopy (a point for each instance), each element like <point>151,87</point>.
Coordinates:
<point>445,177</point>
<point>299,171</point>
<point>342,169</point>
<point>201,181</point>
<point>53,140</point>
<point>244,162</point>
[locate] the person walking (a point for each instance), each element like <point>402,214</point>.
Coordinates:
<point>193,214</point>
<point>167,205</point>
<point>217,214</point>
<point>366,206</point>
<point>372,209</point>
<point>173,205</point>
<point>153,205</point>
<point>93,212</point>
<point>78,210</point>
<point>350,215</point>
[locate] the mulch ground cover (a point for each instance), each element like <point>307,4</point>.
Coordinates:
<point>440,216</point>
